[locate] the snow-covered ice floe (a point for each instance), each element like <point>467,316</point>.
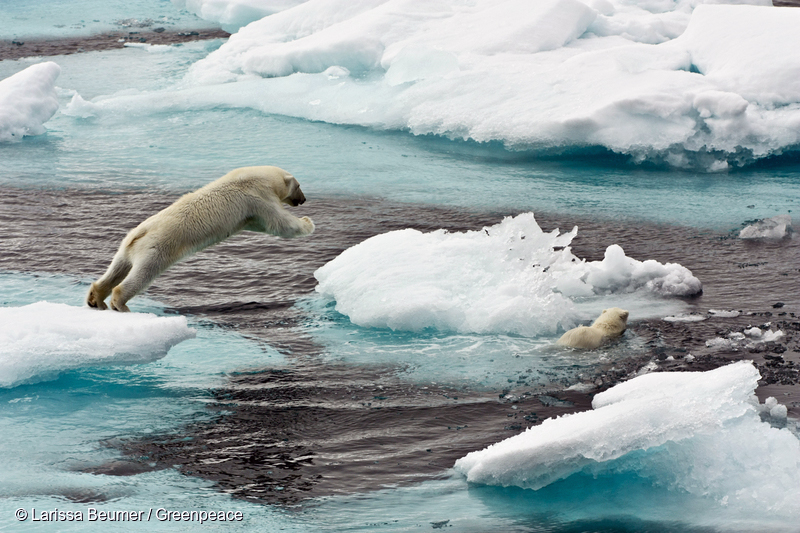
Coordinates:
<point>696,432</point>
<point>682,83</point>
<point>770,228</point>
<point>27,100</point>
<point>41,340</point>
<point>233,14</point>
<point>509,278</point>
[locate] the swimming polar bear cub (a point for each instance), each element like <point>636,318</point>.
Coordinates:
<point>246,199</point>
<point>610,324</point>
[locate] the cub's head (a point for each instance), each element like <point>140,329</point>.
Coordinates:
<point>613,320</point>
<point>292,195</point>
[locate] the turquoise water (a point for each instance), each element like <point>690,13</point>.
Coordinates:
<point>47,18</point>
<point>54,433</point>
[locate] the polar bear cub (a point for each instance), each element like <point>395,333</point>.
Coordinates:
<point>247,198</point>
<point>610,324</point>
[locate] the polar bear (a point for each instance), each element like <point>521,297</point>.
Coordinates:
<point>247,198</point>
<point>610,324</point>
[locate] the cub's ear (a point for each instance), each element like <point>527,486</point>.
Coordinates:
<point>624,315</point>
<point>603,311</point>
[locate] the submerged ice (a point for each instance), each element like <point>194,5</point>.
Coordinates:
<point>699,433</point>
<point>39,341</point>
<point>509,278</point>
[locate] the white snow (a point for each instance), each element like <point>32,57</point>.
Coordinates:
<point>27,100</point>
<point>776,227</point>
<point>41,340</point>
<point>508,278</point>
<point>681,83</point>
<point>233,14</point>
<point>696,432</point>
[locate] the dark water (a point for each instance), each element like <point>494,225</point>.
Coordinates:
<point>319,428</point>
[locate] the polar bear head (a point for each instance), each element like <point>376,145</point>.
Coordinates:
<point>612,321</point>
<point>291,193</point>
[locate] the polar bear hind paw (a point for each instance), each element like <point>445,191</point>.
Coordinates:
<point>116,303</point>
<point>93,299</point>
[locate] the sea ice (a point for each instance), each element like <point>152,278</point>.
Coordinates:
<point>776,227</point>
<point>723,313</point>
<point>509,278</point>
<point>679,83</point>
<point>737,339</point>
<point>696,432</point>
<point>233,14</point>
<point>41,340</point>
<point>692,317</point>
<point>27,100</point>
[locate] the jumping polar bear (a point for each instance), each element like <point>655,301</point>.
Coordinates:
<point>610,324</point>
<point>247,198</point>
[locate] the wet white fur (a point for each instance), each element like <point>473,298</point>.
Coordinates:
<point>247,198</point>
<point>610,324</point>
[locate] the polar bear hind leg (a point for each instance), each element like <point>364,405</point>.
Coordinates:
<point>101,288</point>
<point>148,265</point>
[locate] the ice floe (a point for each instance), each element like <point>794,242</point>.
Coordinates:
<point>696,432</point>
<point>233,14</point>
<point>774,228</point>
<point>27,100</point>
<point>41,340</point>
<point>681,83</point>
<point>509,278</point>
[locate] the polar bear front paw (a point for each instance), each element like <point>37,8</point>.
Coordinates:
<point>309,225</point>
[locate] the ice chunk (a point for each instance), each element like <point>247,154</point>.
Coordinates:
<point>498,279</point>
<point>27,100</point>
<point>620,273</point>
<point>686,318</point>
<point>698,432</point>
<point>508,278</point>
<point>775,410</point>
<point>754,332</point>
<point>771,336</point>
<point>41,340</point>
<point>233,14</point>
<point>737,339</point>
<point>776,227</point>
<point>722,313</point>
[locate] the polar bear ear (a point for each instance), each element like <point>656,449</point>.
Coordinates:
<point>603,311</point>
<point>624,315</point>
